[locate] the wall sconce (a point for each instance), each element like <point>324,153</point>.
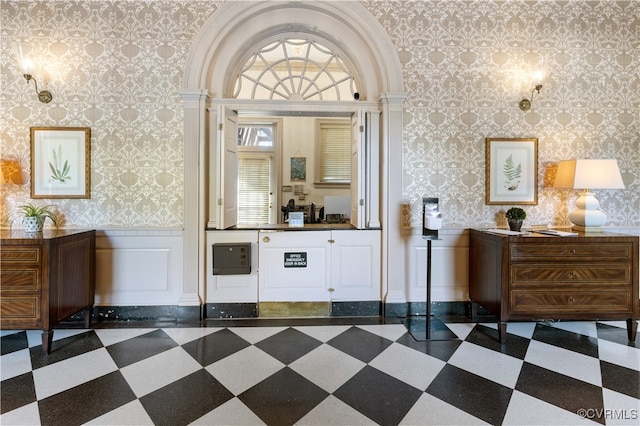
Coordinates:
<point>525,104</point>
<point>26,63</point>
<point>585,175</point>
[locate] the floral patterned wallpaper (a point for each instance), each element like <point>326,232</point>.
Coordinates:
<point>117,66</point>
<point>466,65</point>
<point>114,66</point>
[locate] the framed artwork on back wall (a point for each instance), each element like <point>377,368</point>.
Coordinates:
<point>511,171</point>
<point>60,162</point>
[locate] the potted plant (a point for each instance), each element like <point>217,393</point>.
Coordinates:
<point>515,217</point>
<point>34,216</point>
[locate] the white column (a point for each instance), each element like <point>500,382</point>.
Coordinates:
<point>391,178</point>
<point>373,172</point>
<point>194,197</point>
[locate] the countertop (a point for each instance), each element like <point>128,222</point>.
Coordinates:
<point>285,227</point>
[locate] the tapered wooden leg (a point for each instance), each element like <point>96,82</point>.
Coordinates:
<point>632,329</point>
<point>47,338</point>
<point>502,331</point>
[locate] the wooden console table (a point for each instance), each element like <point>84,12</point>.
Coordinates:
<point>534,277</point>
<point>45,279</point>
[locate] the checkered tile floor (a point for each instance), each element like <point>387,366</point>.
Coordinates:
<point>546,373</point>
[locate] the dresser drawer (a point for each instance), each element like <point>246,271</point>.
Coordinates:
<point>584,274</point>
<point>19,279</point>
<point>535,252</point>
<point>19,308</point>
<point>20,255</point>
<point>562,302</point>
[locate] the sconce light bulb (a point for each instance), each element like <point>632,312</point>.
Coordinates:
<point>27,65</point>
<point>538,76</point>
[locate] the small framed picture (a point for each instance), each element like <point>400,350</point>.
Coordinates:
<point>511,171</point>
<point>60,162</point>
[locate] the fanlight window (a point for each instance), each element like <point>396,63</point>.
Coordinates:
<point>295,69</point>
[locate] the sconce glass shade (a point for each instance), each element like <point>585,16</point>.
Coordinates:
<point>586,175</point>
<point>23,53</point>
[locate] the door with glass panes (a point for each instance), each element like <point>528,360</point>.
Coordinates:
<point>257,173</point>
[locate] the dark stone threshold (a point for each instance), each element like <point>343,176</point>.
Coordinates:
<point>250,310</point>
<point>193,314</point>
<point>410,309</point>
<point>162,314</point>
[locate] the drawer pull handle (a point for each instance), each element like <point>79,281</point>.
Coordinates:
<point>572,274</point>
<point>572,251</point>
<point>572,300</point>
<point>266,239</point>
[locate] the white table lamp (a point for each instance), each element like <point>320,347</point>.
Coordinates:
<point>586,175</point>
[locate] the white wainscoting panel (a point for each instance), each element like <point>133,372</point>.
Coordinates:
<point>138,267</point>
<point>449,270</point>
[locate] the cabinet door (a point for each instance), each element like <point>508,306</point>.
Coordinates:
<point>355,265</point>
<point>294,266</point>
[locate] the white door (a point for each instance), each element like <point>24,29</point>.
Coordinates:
<point>358,138</point>
<point>228,166</point>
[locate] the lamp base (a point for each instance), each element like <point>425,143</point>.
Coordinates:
<point>587,217</point>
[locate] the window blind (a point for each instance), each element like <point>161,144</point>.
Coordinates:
<point>254,192</point>
<point>335,153</point>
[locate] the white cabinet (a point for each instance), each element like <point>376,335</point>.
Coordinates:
<point>294,266</point>
<point>232,288</point>
<point>318,266</point>
<point>299,266</point>
<point>355,265</point>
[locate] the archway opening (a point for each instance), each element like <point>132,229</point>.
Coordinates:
<point>222,43</point>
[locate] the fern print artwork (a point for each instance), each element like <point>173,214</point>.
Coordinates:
<point>59,172</point>
<point>512,173</point>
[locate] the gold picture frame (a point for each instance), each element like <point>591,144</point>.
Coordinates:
<point>60,162</point>
<point>511,171</point>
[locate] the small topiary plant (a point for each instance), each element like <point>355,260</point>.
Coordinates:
<point>516,213</point>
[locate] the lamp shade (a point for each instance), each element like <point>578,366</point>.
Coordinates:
<point>588,174</point>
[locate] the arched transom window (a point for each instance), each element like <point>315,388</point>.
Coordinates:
<point>295,69</point>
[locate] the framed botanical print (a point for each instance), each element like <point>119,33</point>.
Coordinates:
<point>60,162</point>
<point>511,171</point>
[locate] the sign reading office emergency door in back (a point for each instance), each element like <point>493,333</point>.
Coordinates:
<point>295,259</point>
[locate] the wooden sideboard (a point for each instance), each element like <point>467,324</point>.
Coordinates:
<point>535,276</point>
<point>46,278</point>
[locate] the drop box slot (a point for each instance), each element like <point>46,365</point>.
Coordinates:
<point>231,258</point>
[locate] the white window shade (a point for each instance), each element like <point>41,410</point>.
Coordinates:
<point>335,153</point>
<point>254,190</point>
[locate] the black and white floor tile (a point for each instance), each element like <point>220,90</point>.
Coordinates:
<point>563,373</point>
